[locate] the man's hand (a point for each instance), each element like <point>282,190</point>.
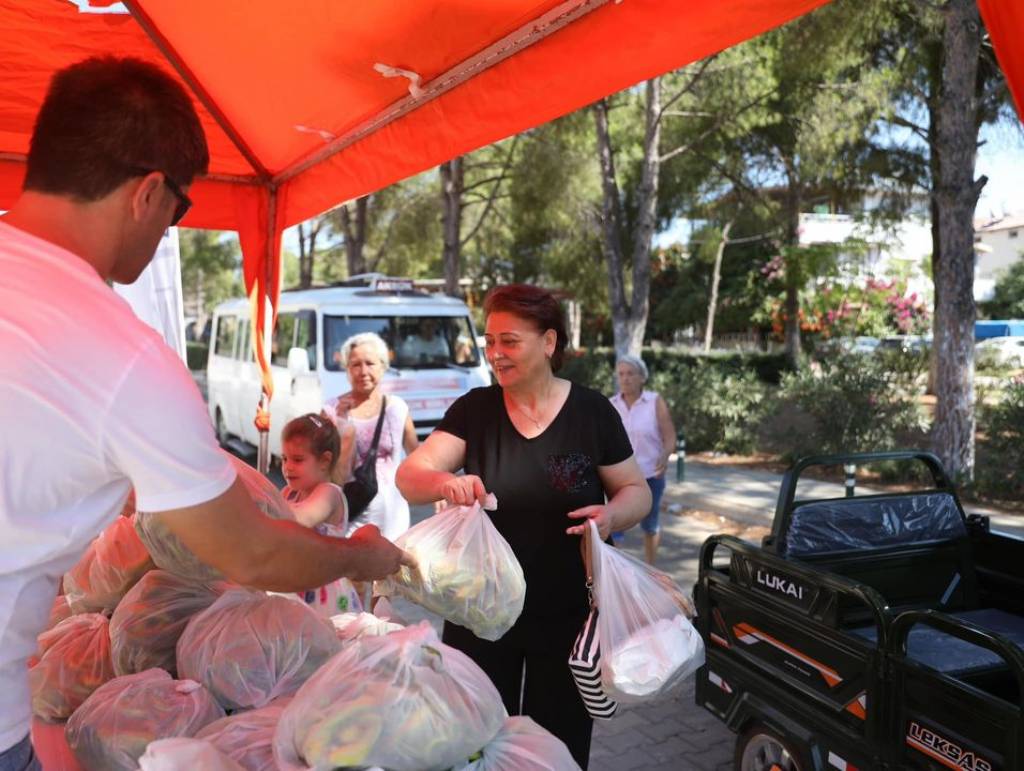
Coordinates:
<point>464,491</point>
<point>373,556</point>
<point>600,515</point>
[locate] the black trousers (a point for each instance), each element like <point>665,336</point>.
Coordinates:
<point>547,693</point>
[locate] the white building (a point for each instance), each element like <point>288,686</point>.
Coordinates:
<point>893,249</point>
<point>999,243</point>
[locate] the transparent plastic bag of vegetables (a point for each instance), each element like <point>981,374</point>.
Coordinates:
<point>522,745</point>
<point>648,645</point>
<point>248,737</point>
<point>250,648</point>
<point>170,554</point>
<point>112,564</point>
<point>180,753</point>
<point>467,572</point>
<point>74,661</point>
<point>112,729</point>
<point>352,626</point>
<point>147,623</point>
<point>60,611</point>
<point>403,701</point>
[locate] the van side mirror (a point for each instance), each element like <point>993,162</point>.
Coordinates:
<point>298,361</point>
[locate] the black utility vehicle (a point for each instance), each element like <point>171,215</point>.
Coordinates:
<point>867,632</point>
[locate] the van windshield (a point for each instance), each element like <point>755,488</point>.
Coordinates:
<point>415,342</point>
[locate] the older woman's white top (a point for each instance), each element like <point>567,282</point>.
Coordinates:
<point>389,511</point>
<point>641,422</point>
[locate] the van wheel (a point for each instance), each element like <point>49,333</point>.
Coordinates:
<point>222,432</point>
<point>761,749</point>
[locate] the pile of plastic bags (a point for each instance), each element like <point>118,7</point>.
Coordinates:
<point>146,625</point>
<point>74,660</point>
<point>403,701</point>
<point>522,745</point>
<point>250,648</point>
<point>170,554</point>
<point>110,567</point>
<point>466,571</point>
<point>247,738</point>
<point>111,730</point>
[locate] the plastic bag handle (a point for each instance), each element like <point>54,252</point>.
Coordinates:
<point>586,549</point>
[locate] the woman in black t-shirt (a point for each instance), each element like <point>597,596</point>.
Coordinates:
<point>554,454</point>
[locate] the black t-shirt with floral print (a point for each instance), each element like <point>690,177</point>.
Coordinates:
<point>538,481</point>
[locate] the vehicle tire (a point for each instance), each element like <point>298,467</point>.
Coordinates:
<point>222,432</point>
<point>760,748</point>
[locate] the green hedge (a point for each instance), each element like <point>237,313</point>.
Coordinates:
<point>596,367</point>
<point>196,355</point>
<point>717,400</point>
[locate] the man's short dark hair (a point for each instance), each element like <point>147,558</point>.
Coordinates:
<point>105,118</point>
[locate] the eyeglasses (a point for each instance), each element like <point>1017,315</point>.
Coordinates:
<point>184,202</point>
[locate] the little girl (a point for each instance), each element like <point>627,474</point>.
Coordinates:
<point>309,452</point>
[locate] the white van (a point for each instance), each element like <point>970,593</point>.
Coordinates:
<point>434,354</point>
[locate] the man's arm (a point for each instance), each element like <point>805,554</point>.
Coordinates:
<point>232,535</point>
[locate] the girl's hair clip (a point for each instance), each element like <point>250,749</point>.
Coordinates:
<point>316,421</point>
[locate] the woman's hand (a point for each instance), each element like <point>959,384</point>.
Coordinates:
<point>601,516</point>
<point>345,404</point>
<point>464,490</point>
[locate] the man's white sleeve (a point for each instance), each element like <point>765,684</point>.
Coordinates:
<point>157,434</point>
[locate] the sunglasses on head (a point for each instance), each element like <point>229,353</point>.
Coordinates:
<point>184,202</point>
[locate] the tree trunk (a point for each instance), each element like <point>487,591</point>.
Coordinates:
<point>452,184</point>
<point>716,276</point>
<point>629,317</point>
<point>794,276</point>
<point>574,319</point>
<point>354,230</point>
<point>956,194</point>
<point>307,253</point>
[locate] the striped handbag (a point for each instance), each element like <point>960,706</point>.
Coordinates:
<point>585,658</point>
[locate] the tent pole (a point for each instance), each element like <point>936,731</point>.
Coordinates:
<point>267,330</point>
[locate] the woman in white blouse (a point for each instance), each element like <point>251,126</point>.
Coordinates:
<point>652,434</point>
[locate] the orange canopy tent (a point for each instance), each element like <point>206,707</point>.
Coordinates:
<point>310,103</point>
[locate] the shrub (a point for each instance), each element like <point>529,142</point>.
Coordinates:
<point>1000,471</point>
<point>716,400</point>
<point>845,404</point>
<point>713,408</point>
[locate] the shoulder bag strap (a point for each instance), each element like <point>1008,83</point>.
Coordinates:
<point>372,452</point>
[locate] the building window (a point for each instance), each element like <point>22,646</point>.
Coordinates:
<point>1013,233</point>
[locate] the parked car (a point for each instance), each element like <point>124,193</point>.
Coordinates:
<point>905,343</point>
<point>1003,351</point>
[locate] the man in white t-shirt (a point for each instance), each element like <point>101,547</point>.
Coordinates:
<point>92,402</point>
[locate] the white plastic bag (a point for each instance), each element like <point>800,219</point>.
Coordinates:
<point>147,623</point>
<point>181,754</point>
<point>111,565</point>
<point>467,572</point>
<point>250,648</point>
<point>247,738</point>
<point>352,626</point>
<point>404,701</point>
<point>112,729</point>
<point>74,661</point>
<point>170,554</point>
<point>648,645</point>
<point>522,745</point>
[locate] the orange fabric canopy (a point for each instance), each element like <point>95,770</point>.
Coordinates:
<point>299,113</point>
